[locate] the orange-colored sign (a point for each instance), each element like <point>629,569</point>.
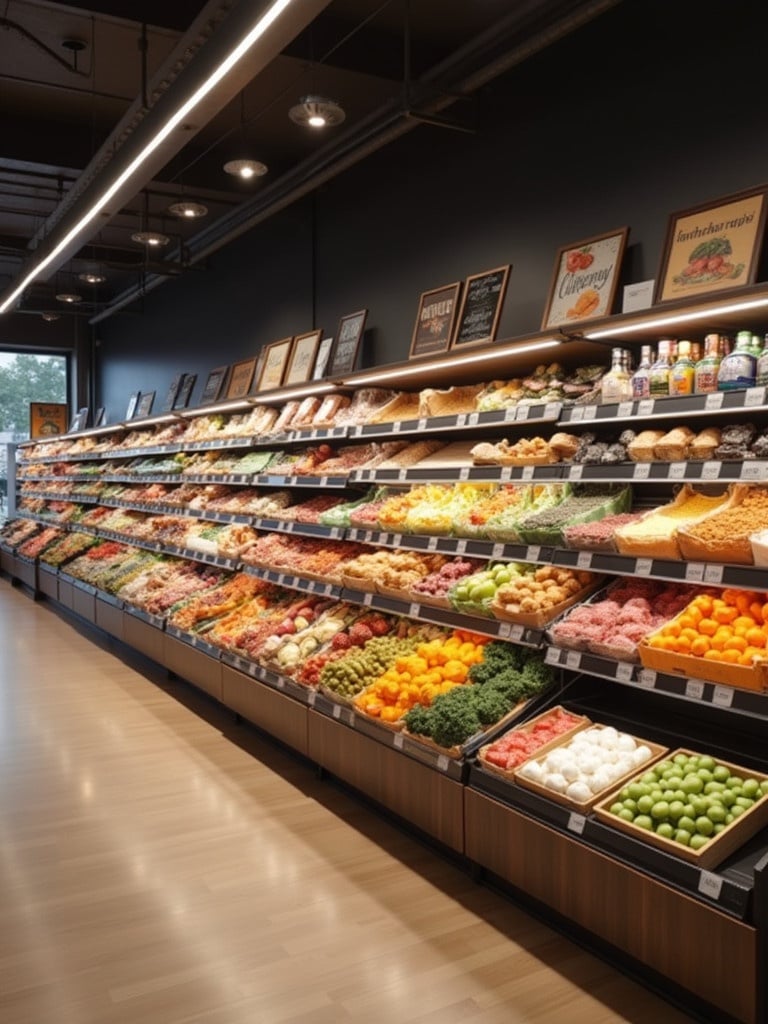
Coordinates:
<point>47,419</point>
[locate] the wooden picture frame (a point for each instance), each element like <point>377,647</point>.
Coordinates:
<point>100,416</point>
<point>275,360</point>
<point>185,390</point>
<point>321,359</point>
<point>214,385</point>
<point>435,320</point>
<point>133,402</point>
<point>47,419</point>
<point>144,408</point>
<point>480,310</point>
<point>241,378</point>
<point>585,279</point>
<point>301,361</point>
<point>346,345</point>
<point>713,246</point>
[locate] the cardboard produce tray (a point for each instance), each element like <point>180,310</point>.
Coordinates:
<point>719,847</point>
<point>544,618</point>
<point>582,722</point>
<point>688,666</point>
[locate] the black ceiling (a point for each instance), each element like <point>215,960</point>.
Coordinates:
<point>70,73</point>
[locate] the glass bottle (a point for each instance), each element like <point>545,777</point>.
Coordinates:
<point>681,376</point>
<point>739,368</point>
<point>641,378</point>
<point>659,373</point>
<point>615,385</point>
<point>762,364</point>
<point>705,375</point>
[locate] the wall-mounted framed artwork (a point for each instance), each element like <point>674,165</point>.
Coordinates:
<point>480,310</point>
<point>713,246</point>
<point>144,407</point>
<point>133,402</point>
<point>301,361</point>
<point>241,378</point>
<point>347,344</point>
<point>585,279</point>
<point>276,356</point>
<point>214,385</point>
<point>185,390</point>
<point>435,320</point>
<point>322,357</point>
<point>46,419</point>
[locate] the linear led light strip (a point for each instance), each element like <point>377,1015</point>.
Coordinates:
<point>443,364</point>
<point>679,318</point>
<point>258,30</point>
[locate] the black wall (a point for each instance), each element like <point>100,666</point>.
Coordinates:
<point>652,108</point>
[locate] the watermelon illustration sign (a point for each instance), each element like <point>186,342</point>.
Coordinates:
<point>713,247</point>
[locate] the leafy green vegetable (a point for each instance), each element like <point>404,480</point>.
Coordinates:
<point>713,247</point>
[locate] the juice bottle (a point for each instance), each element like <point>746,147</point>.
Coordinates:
<point>641,378</point>
<point>682,374</point>
<point>659,373</point>
<point>615,386</point>
<point>739,368</point>
<point>705,375</point>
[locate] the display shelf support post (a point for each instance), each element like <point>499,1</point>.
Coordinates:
<point>760,911</point>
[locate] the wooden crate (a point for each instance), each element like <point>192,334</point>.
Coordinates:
<point>688,666</point>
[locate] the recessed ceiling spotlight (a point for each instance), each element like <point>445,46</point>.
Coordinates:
<point>188,210</point>
<point>246,168</point>
<point>50,317</point>
<point>316,112</point>
<point>69,297</point>
<point>92,277</point>
<point>154,239</point>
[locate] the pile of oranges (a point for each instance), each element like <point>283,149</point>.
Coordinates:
<point>731,627</point>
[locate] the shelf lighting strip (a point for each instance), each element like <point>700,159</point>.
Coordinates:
<point>677,318</point>
<point>273,12</point>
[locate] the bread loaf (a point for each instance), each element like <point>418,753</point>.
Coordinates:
<point>673,446</point>
<point>642,448</point>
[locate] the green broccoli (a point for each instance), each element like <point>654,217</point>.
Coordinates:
<point>537,675</point>
<point>453,720</point>
<point>491,705</point>
<point>419,720</point>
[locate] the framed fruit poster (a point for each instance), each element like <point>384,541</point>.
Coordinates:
<point>712,247</point>
<point>585,278</point>
<point>46,419</point>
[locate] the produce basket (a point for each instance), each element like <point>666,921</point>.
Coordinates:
<point>724,544</point>
<point>364,583</point>
<point>529,728</point>
<point>430,600</point>
<point>664,543</point>
<point>545,617</point>
<point>655,753</point>
<point>579,537</point>
<point>396,593</point>
<point>719,846</point>
<point>688,666</point>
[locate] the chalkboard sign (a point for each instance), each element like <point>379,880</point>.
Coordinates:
<point>435,320</point>
<point>347,343</point>
<point>481,308</point>
<point>185,391</point>
<point>214,385</point>
<point>173,392</point>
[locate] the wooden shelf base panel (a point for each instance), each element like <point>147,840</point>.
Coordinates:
<point>196,667</point>
<point>696,946</point>
<point>418,794</point>
<point>110,618</point>
<point>143,637</point>
<point>282,717</point>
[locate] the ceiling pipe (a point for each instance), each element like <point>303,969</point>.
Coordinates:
<point>456,77</point>
<point>212,39</point>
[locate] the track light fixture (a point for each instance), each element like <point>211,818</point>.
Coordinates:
<point>316,112</point>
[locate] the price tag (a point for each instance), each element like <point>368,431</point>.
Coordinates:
<point>312,698</point>
<point>395,540</point>
<point>281,682</point>
<point>522,412</point>
<point>643,566</point>
<point>368,599</point>
<point>414,609</point>
<point>584,560</point>
<point>645,407</point>
<point>753,397</point>
<point>753,471</point>
<point>710,885</point>
<point>396,427</point>
<point>694,572</point>
<point>551,410</point>
<point>624,672</point>
<point>497,551</point>
<point>464,473</point>
<point>694,688</point>
<point>646,678</point>
<point>676,471</point>
<point>590,412</point>
<point>624,410</point>
<point>576,822</point>
<point>710,471</point>
<point>641,471</point>
<point>337,711</point>
<point>505,474</point>
<point>461,547</point>
<point>722,696</point>
<point>552,656</point>
<point>533,553</point>
<point>516,633</point>
<point>398,741</point>
<point>575,472</point>
<point>714,401</point>
<point>573,659</point>
<point>505,628</point>
<point>402,475</point>
<point>510,413</point>
<point>713,574</point>
<point>527,473</point>
<point>461,420</point>
<point>473,419</point>
<point>432,544</point>
<point>442,762</point>
<point>422,425</point>
<point>577,413</point>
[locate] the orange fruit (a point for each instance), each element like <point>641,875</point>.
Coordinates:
<point>724,614</point>
<point>730,656</point>
<point>707,627</point>
<point>736,643</point>
<point>682,644</point>
<point>700,646</point>
<point>755,637</point>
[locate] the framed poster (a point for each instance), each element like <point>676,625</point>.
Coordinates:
<point>173,392</point>
<point>100,417</point>
<point>480,308</point>
<point>185,390</point>
<point>144,408</point>
<point>321,360</point>
<point>302,358</point>
<point>347,344</point>
<point>435,320</point>
<point>214,385</point>
<point>585,279</point>
<point>712,247</point>
<point>46,419</point>
<point>241,378</point>
<point>133,401</point>
<point>274,364</point>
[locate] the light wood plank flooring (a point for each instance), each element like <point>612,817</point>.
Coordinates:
<point>160,864</point>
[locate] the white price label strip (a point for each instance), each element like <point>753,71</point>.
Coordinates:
<point>505,628</point>
<point>552,656</point>
<point>337,711</point>
<point>498,551</point>
<point>723,696</point>
<point>753,397</point>
<point>311,698</point>
<point>368,599</point>
<point>644,566</point>
<point>590,412</point>
<point>432,544</point>
<point>710,471</point>
<point>624,672</point>
<point>576,823</point>
<point>714,401</point>
<point>527,473</point>
<point>710,885</point>
<point>694,572</point>
<point>645,407</point>
<point>573,659</point>
<point>584,560</point>
<point>641,471</point>
<point>713,574</point>
<point>753,471</point>
<point>624,410</point>
<point>646,678</point>
<point>413,610</point>
<point>464,473</point>
<point>422,425</point>
<point>473,419</point>
<point>577,413</point>
<point>694,688</point>
<point>461,547</point>
<point>516,633</point>
<point>442,763</point>
<point>398,740</point>
<point>533,553</point>
<point>522,412</point>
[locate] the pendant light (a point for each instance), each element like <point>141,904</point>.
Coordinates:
<point>151,239</point>
<point>316,112</point>
<point>188,210</point>
<point>245,167</point>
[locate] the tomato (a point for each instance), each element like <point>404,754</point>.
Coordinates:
<point>714,262</point>
<point>573,261</point>
<point>586,259</point>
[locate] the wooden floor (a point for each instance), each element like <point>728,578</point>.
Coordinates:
<point>160,864</point>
